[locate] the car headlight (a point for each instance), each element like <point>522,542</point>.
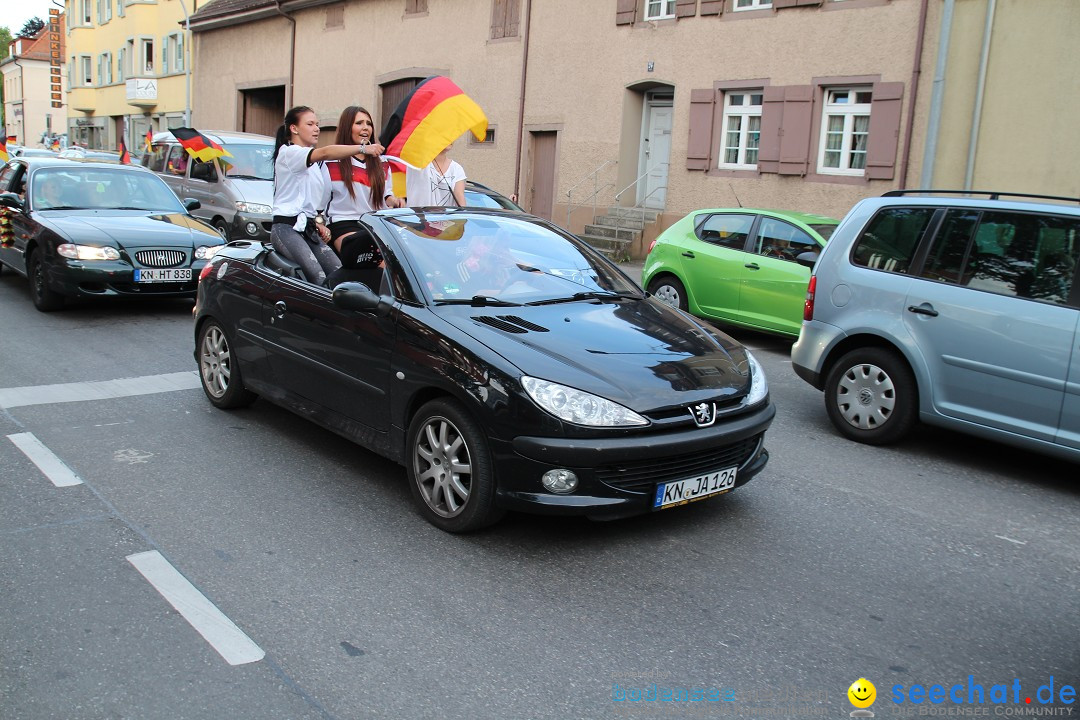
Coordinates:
<point>205,252</point>
<point>759,386</point>
<point>246,207</point>
<point>87,252</point>
<point>578,406</point>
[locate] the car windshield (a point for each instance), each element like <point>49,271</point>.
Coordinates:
<point>100,188</point>
<point>480,259</point>
<point>825,231</point>
<point>253,162</point>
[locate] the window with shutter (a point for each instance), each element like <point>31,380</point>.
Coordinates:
<point>795,131</point>
<point>415,6</point>
<point>711,7</point>
<point>772,118</point>
<point>626,11</point>
<point>845,130</point>
<point>685,8</point>
<point>884,130</point>
<point>505,18</point>
<point>699,138</point>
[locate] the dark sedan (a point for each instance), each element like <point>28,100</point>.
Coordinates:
<point>82,229</point>
<point>502,361</point>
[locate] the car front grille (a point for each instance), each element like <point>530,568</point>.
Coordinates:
<point>643,475</point>
<point>161,258</point>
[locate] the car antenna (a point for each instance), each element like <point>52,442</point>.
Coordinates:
<point>733,193</point>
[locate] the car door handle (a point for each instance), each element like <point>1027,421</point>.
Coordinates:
<point>923,310</point>
<point>752,266</point>
<point>279,309</point>
<point>688,254</point>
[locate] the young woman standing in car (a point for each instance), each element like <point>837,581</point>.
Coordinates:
<point>299,192</point>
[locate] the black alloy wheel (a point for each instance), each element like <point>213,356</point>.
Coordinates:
<point>44,298</point>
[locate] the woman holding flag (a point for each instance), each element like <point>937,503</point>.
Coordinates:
<point>300,191</point>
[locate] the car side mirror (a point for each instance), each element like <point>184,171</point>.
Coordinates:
<point>192,204</point>
<point>203,171</point>
<point>11,200</point>
<point>807,259</point>
<point>358,296</point>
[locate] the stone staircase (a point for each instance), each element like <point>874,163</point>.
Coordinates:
<point>616,233</point>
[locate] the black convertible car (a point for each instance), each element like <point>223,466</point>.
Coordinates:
<point>502,361</point>
<point>78,228</point>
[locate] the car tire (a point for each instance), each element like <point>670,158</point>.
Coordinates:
<point>451,474</point>
<point>670,291</point>
<point>219,371</point>
<point>223,229</point>
<point>871,396</point>
<point>44,298</point>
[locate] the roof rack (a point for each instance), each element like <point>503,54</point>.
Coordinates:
<point>993,194</point>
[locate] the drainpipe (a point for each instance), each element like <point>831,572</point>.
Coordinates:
<point>292,56</point>
<point>915,73</point>
<point>521,103</point>
<point>976,118</point>
<point>933,123</point>
<point>187,63</point>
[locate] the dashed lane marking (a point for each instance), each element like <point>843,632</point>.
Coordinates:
<point>218,630</point>
<point>46,460</point>
<point>97,390</point>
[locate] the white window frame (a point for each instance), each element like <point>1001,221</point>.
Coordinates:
<point>744,112</point>
<point>121,64</point>
<point>658,13</point>
<point>145,47</point>
<point>86,69</point>
<point>849,110</point>
<point>86,10</point>
<point>177,46</point>
<point>752,5</point>
<point>105,74</point>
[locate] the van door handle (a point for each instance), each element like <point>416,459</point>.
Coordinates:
<point>923,309</point>
<point>688,254</point>
<point>752,266</point>
<point>279,309</point>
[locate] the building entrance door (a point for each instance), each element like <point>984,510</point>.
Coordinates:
<point>656,151</point>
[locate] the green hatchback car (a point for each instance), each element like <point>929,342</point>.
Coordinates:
<point>738,265</point>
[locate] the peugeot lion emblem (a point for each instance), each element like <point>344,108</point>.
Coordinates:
<point>704,414</point>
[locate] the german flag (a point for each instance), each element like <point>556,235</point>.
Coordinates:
<point>429,119</point>
<point>125,156</point>
<point>3,151</point>
<point>11,139</point>
<point>149,141</point>
<point>198,145</point>
<point>395,170</point>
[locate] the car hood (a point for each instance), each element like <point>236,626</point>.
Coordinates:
<point>639,353</point>
<point>254,191</point>
<point>126,229</point>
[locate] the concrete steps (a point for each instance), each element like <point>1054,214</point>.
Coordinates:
<point>615,233</point>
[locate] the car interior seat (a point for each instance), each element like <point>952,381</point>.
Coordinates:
<point>280,264</point>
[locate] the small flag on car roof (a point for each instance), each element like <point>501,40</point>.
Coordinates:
<point>125,156</point>
<point>149,140</point>
<point>198,145</point>
<point>430,118</point>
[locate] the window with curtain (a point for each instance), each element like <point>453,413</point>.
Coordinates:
<point>742,129</point>
<point>659,9</point>
<point>845,127</point>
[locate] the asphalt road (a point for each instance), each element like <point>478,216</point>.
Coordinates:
<point>945,561</point>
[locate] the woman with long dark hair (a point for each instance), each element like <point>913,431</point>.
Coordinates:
<point>299,192</point>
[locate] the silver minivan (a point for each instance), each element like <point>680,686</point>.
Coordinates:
<point>236,192</point>
<point>961,310</point>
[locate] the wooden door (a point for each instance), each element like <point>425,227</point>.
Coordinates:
<point>542,174</point>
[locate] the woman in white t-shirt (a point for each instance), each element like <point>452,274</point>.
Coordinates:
<point>442,182</point>
<point>299,192</point>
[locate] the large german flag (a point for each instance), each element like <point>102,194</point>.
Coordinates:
<point>198,145</point>
<point>396,172</point>
<point>429,119</point>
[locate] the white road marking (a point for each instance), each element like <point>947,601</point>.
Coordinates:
<point>53,467</point>
<point>1017,542</point>
<point>97,390</point>
<point>229,641</point>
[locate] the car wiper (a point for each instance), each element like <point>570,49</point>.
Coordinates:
<point>590,295</point>
<point>125,207</point>
<point>479,301</point>
<point>246,177</point>
<point>63,207</point>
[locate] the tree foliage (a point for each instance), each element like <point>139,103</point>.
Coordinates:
<point>5,42</point>
<point>32,27</point>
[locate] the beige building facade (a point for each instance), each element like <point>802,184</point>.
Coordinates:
<point>34,76</point>
<point>673,105</point>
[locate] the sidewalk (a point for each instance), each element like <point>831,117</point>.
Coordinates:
<point>633,269</point>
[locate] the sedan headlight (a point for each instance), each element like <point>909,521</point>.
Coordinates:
<point>578,406</point>
<point>246,207</point>
<point>759,386</point>
<point>87,252</point>
<point>205,252</point>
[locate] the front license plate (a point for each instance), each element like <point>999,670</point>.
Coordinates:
<point>165,275</point>
<point>680,492</point>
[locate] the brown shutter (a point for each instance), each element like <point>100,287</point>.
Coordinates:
<point>795,131</point>
<point>625,11</point>
<point>884,130</point>
<point>712,7</point>
<point>780,4</point>
<point>421,6</point>
<point>513,17</point>
<point>685,8</point>
<point>808,3</point>
<point>498,18</point>
<point>772,117</point>
<point>699,139</point>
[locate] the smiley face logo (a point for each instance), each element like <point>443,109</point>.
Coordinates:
<point>862,693</point>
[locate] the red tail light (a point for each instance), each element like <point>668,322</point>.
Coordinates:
<point>205,271</point>
<point>652,245</point>
<point>808,306</point>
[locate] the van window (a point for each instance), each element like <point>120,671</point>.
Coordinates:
<point>249,161</point>
<point>155,159</point>
<point>1024,255</point>
<point>177,162</point>
<point>889,241</point>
